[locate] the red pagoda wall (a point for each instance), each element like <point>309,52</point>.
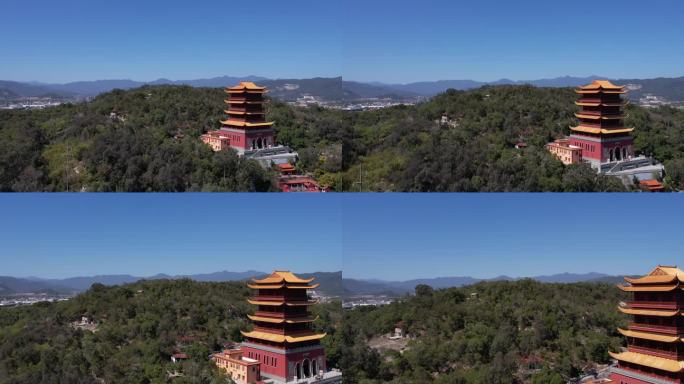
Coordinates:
<point>282,361</point>
<point>598,150</point>
<point>623,379</point>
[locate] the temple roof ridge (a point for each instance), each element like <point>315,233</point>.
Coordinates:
<point>649,361</point>
<point>601,84</point>
<point>282,276</point>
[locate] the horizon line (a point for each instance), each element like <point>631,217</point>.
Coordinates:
<point>490,278</point>
<point>403,82</point>
<point>156,274</point>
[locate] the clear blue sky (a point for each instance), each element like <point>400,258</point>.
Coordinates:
<point>385,236</point>
<point>404,41</point>
<point>60,41</point>
<point>406,236</point>
<point>378,40</point>
<point>63,235</point>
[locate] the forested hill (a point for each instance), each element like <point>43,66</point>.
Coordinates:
<point>151,143</point>
<point>491,332</point>
<point>404,149</point>
<point>147,139</point>
<point>137,328</point>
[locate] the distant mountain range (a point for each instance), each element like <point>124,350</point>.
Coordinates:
<point>393,288</point>
<point>333,88</point>
<point>331,282</point>
<point>670,88</point>
<point>328,89</point>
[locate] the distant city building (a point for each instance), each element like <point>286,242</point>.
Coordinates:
<point>603,139</point>
<point>281,347</point>
<point>655,349</point>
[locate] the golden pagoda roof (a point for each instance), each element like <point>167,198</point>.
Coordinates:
<point>282,276</point>
<point>648,288</point>
<point>591,92</point>
<point>234,101</point>
<point>598,104</point>
<point>295,320</point>
<point>600,86</point>
<point>266,319</point>
<point>267,286</point>
<point>265,302</point>
<point>282,338</point>
<point>238,123</point>
<point>297,339</point>
<point>585,129</point>
<point>310,286</point>
<point>647,312</point>
<point>662,274</point>
<point>598,117</point>
<point>655,279</point>
<point>246,86</point>
<point>649,361</point>
<point>664,270</point>
<point>649,336</point>
<point>244,112</point>
<point>276,338</point>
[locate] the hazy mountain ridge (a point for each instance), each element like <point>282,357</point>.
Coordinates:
<point>330,281</point>
<point>379,287</point>
<point>333,88</point>
<point>329,89</point>
<point>670,88</point>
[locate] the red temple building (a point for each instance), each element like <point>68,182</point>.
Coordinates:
<point>245,128</point>
<point>602,138</point>
<point>655,335</point>
<point>246,123</point>
<point>246,131</point>
<point>282,340</point>
<point>601,132</point>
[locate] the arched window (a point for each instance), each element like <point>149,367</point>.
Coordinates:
<point>624,153</point>
<point>306,368</point>
<point>610,154</point>
<point>314,367</point>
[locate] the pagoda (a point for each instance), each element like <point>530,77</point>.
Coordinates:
<point>246,118</point>
<point>601,138</point>
<point>655,336</point>
<point>601,133</point>
<point>282,338</point>
<point>245,128</point>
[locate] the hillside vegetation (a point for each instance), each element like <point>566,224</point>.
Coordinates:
<point>139,326</point>
<point>82,147</point>
<point>490,332</point>
<point>404,149</point>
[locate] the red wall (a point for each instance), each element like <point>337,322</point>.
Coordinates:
<point>617,379</point>
<point>280,367</point>
<point>277,369</point>
<point>597,153</point>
